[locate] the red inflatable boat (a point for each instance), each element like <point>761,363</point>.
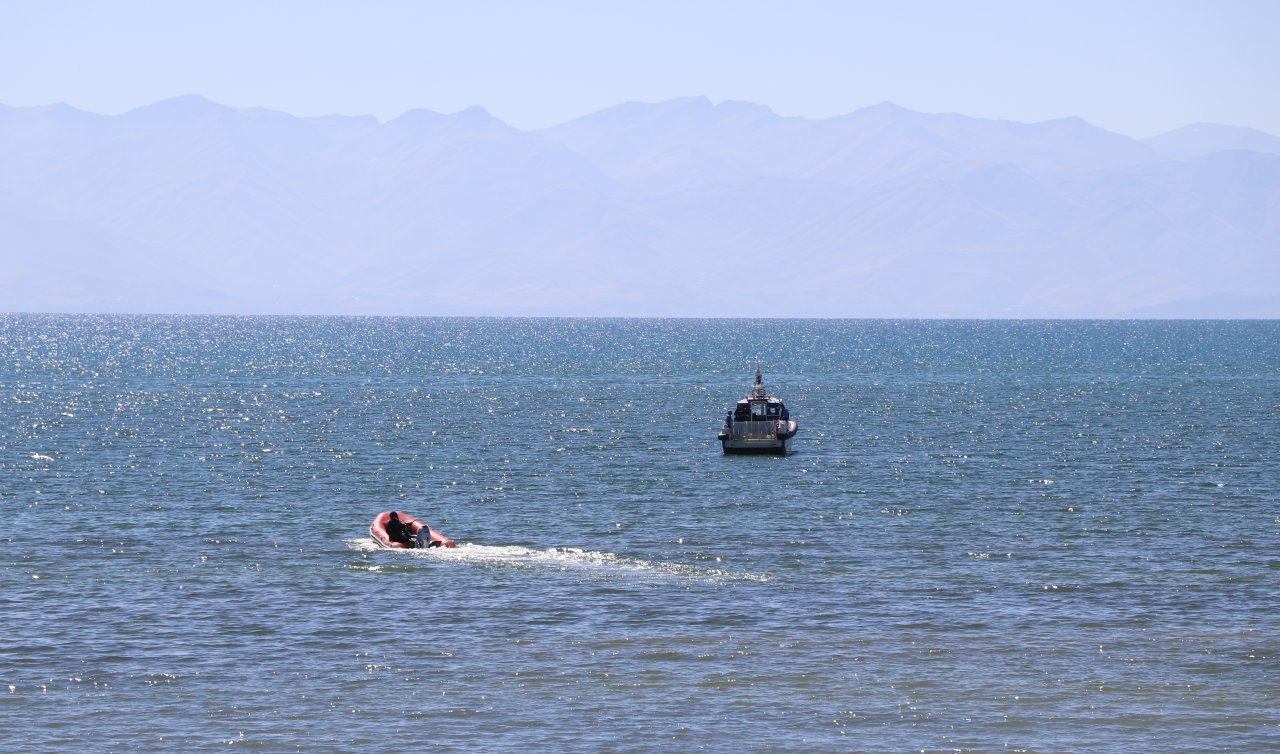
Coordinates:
<point>424,536</point>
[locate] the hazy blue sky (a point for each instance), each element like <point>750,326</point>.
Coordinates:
<point>1140,67</point>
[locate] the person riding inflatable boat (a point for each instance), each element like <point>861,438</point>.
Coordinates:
<point>402,531</point>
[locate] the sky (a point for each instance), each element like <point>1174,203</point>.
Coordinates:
<point>1137,67</point>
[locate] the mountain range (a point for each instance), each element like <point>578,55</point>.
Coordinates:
<point>679,208</point>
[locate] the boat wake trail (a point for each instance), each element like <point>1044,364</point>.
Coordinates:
<point>604,564</point>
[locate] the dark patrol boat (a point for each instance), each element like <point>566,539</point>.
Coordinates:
<point>759,423</point>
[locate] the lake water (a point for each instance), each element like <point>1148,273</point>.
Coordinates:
<point>1056,536</point>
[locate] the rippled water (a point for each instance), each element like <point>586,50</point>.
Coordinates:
<point>1022,536</point>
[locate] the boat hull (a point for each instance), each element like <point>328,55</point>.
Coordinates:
<point>756,447</point>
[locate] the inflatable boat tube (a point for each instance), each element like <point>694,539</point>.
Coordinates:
<point>427,537</point>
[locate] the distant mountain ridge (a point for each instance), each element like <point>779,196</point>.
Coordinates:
<point>1200,139</point>
<point>678,208</point>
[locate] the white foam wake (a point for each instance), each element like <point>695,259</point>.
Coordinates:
<point>559,558</point>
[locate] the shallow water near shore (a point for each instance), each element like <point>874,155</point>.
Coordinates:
<point>993,536</point>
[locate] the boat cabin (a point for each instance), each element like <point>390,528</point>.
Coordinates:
<point>759,406</point>
<point>759,410</point>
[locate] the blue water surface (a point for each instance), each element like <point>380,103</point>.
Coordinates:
<point>1058,536</point>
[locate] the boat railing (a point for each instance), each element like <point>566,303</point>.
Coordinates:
<point>755,430</point>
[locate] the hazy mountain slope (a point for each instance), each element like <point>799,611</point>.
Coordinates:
<point>691,141</point>
<point>1200,139</point>
<point>677,208</point>
<point>70,265</point>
